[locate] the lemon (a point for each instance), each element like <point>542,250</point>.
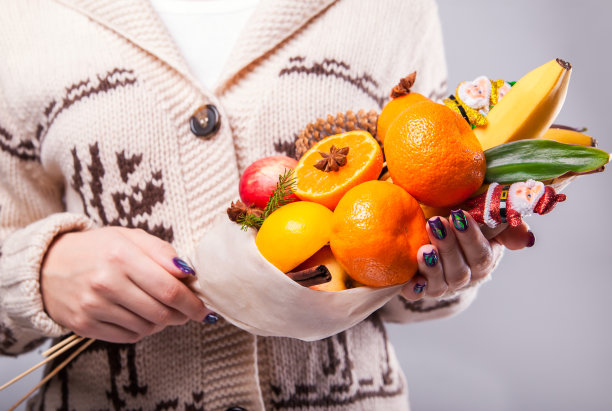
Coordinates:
<point>293,233</point>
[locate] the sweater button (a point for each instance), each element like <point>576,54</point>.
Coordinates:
<point>205,122</point>
<point>236,409</point>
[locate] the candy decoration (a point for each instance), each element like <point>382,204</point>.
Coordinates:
<point>510,203</point>
<point>474,99</point>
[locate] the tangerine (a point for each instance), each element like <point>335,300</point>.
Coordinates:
<point>433,154</point>
<point>376,231</point>
<point>293,233</point>
<point>393,109</point>
<point>363,162</point>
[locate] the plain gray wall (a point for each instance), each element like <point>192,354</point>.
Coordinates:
<point>539,335</point>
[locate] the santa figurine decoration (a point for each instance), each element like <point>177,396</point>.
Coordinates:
<point>510,203</point>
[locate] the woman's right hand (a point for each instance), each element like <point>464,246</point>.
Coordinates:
<point>116,284</point>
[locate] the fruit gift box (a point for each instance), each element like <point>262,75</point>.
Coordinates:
<point>317,244</point>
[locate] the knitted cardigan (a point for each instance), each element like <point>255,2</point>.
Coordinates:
<point>95,102</point>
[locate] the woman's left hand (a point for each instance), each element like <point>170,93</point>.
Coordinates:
<point>460,254</point>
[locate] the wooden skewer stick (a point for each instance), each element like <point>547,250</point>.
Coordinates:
<point>46,360</point>
<point>59,345</point>
<point>52,373</point>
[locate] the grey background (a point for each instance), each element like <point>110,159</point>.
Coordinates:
<point>538,337</point>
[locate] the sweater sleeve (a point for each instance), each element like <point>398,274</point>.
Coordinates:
<point>31,216</point>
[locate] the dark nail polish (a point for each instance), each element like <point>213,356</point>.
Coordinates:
<point>531,241</point>
<point>437,228</point>
<point>430,258</point>
<point>418,288</point>
<point>211,318</point>
<point>183,266</point>
<point>459,220</point>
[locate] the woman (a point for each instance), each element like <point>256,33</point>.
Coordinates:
<point>115,159</point>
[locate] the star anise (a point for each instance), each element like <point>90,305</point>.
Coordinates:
<point>403,87</point>
<point>333,160</point>
<point>239,209</point>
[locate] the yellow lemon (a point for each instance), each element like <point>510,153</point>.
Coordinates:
<point>293,233</point>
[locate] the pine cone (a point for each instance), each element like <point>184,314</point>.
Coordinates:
<point>341,123</point>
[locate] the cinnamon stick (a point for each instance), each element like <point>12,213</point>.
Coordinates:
<point>311,276</point>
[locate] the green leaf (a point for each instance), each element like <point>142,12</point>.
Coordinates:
<point>540,159</point>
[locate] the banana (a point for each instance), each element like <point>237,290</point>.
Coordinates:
<point>529,108</point>
<point>569,136</point>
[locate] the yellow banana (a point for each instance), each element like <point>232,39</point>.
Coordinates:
<point>569,136</point>
<point>529,108</point>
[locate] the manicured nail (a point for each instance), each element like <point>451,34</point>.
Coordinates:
<point>211,318</point>
<point>531,241</point>
<point>418,288</point>
<point>437,228</point>
<point>430,258</point>
<point>459,220</point>
<point>183,266</point>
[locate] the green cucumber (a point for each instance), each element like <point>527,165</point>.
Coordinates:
<point>540,159</point>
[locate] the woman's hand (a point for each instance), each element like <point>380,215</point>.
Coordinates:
<point>117,284</point>
<point>461,254</point>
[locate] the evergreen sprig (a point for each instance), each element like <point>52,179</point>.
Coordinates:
<point>279,197</point>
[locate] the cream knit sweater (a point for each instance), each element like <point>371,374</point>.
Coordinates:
<point>95,102</point>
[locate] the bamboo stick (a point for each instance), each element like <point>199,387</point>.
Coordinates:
<point>55,371</point>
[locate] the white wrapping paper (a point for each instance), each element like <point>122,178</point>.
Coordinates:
<point>238,283</point>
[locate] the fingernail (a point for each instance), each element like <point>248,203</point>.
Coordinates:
<point>418,288</point>
<point>531,241</point>
<point>459,220</point>
<point>211,318</point>
<point>430,258</point>
<point>437,228</point>
<point>183,266</point>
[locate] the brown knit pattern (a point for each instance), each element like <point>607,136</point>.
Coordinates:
<point>340,123</point>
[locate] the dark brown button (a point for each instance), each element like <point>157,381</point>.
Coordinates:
<point>206,121</point>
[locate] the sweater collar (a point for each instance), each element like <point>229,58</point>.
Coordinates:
<point>273,22</point>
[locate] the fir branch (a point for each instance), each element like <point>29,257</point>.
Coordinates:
<point>249,220</point>
<point>282,193</point>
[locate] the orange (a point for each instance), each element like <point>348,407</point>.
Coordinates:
<point>376,232</point>
<point>393,109</point>
<point>293,233</point>
<point>434,155</point>
<point>364,161</point>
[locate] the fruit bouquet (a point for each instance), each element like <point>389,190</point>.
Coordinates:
<point>329,238</point>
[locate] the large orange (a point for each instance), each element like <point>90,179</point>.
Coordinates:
<point>434,155</point>
<point>364,162</point>
<point>393,109</point>
<point>376,231</point>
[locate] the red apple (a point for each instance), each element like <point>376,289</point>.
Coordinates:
<point>260,178</point>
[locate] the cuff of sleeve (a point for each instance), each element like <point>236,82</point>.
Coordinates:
<point>20,263</point>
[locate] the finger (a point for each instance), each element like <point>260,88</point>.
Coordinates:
<point>166,289</point>
<point>104,331</point>
<point>108,312</point>
<point>517,238</point>
<point>160,251</point>
<point>456,271</point>
<point>121,290</point>
<point>490,233</point>
<point>429,268</point>
<point>476,248</point>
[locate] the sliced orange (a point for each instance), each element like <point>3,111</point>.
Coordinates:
<point>364,162</point>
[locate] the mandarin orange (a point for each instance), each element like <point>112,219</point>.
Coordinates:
<point>326,185</point>
<point>376,231</point>
<point>393,109</point>
<point>432,153</point>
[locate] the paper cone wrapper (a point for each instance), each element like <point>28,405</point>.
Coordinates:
<point>238,283</point>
